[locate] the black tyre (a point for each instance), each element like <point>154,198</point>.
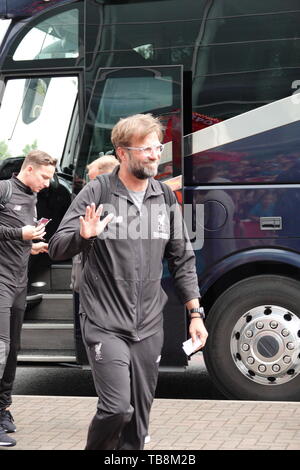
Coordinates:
<point>253,348</point>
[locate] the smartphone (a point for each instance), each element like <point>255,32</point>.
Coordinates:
<point>43,221</point>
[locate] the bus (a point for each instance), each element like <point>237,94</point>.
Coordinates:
<point>224,77</point>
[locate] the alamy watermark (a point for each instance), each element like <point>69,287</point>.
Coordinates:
<point>158,222</point>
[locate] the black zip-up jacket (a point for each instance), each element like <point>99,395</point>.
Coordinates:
<point>19,211</point>
<point>121,284</point>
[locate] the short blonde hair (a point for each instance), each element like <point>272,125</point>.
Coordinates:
<point>105,164</point>
<point>137,125</point>
<point>38,157</point>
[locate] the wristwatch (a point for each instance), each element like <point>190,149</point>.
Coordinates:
<point>196,313</point>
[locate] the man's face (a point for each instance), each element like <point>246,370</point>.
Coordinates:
<point>143,163</point>
<point>38,177</point>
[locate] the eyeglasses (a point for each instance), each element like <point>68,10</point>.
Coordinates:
<point>147,150</point>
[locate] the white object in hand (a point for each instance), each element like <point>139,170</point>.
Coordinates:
<point>189,347</point>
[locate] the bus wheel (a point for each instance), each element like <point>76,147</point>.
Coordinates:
<point>253,348</point>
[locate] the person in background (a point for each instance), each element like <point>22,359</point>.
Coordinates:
<point>101,165</point>
<point>18,231</point>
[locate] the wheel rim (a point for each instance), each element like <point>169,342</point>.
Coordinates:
<point>265,345</point>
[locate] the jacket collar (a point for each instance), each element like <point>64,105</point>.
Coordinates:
<point>23,187</point>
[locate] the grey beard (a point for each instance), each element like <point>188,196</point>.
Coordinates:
<point>143,173</point>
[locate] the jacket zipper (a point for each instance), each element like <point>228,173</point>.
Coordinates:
<point>139,303</point>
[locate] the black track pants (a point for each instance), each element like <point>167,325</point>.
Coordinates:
<point>12,308</point>
<point>125,376</point>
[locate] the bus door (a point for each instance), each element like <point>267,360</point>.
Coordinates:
<point>38,112</point>
<point>121,92</point>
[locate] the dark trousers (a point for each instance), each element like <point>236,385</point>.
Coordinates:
<point>125,376</point>
<point>12,308</point>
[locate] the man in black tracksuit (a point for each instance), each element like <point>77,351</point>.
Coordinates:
<point>121,295</point>
<point>17,230</point>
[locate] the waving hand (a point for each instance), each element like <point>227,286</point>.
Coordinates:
<point>90,224</point>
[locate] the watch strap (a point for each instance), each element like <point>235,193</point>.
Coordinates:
<point>197,312</point>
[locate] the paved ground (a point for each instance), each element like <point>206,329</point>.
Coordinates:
<point>53,423</point>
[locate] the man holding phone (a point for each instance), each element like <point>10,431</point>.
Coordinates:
<point>18,231</point>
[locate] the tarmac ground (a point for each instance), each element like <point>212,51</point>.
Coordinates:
<point>61,423</point>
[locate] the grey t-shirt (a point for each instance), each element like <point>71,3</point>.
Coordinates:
<point>138,198</point>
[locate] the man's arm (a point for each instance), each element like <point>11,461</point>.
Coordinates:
<point>28,232</point>
<point>181,262</point>
<point>181,259</point>
<point>67,241</point>
<point>80,224</point>
<point>196,327</point>
<point>10,233</point>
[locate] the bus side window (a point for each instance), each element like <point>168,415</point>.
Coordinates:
<point>53,38</point>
